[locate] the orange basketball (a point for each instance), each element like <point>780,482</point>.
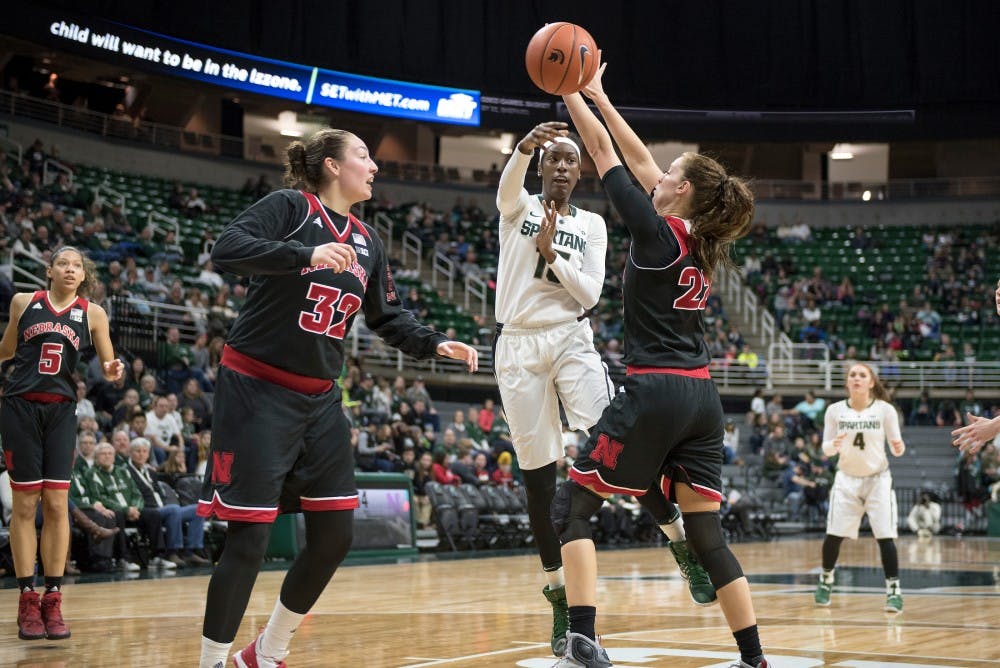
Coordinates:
<point>561,58</point>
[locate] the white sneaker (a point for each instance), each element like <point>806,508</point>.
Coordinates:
<point>159,562</point>
<point>130,567</point>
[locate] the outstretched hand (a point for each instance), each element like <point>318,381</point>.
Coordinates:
<point>543,241</point>
<point>457,350</point>
<point>541,134</point>
<point>595,88</point>
<point>976,434</point>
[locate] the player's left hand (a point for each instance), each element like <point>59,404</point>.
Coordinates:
<point>457,350</point>
<point>595,88</point>
<point>113,369</point>
<point>543,241</point>
<point>897,447</point>
<point>976,434</point>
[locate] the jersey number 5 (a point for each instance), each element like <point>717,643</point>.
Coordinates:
<point>50,359</point>
<point>329,303</point>
<point>697,294</point>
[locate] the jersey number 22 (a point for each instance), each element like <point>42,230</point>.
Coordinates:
<point>697,293</point>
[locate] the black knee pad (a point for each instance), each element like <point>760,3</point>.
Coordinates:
<point>572,508</point>
<point>706,540</point>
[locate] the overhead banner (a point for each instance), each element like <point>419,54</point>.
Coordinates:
<point>107,40</point>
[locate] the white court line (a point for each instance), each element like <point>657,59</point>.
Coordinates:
<point>626,636</point>
<point>440,662</point>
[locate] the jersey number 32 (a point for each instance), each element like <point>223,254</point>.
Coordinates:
<point>329,304</point>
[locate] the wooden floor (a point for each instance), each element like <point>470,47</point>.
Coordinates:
<point>490,612</point>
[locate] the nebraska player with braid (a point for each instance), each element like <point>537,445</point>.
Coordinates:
<point>45,334</point>
<point>280,439</point>
<point>857,429</point>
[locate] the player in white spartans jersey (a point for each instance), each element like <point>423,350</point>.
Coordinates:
<point>857,429</point>
<point>550,271</point>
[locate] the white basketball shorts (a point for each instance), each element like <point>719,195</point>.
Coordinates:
<point>852,497</point>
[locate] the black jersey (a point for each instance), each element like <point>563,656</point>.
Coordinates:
<point>48,347</point>
<point>296,316</point>
<point>663,291</point>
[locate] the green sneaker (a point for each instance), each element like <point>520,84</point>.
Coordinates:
<point>560,618</point>
<point>700,587</point>
<point>822,595</point>
<point>893,599</point>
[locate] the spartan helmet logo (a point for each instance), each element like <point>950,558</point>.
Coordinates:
<point>557,56</point>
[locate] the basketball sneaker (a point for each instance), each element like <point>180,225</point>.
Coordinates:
<point>29,617</point>
<point>248,657</point>
<point>743,664</point>
<point>582,652</point>
<point>699,586</point>
<point>55,627</point>
<point>893,599</point>
<point>823,591</point>
<point>560,618</point>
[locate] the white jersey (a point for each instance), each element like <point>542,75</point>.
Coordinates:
<point>531,293</point>
<point>863,452</point>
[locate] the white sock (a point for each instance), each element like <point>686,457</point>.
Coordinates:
<point>214,654</point>
<point>555,578</point>
<point>278,633</point>
<point>892,587</point>
<point>827,577</point>
<point>674,531</point>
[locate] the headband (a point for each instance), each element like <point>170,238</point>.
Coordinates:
<point>565,140</point>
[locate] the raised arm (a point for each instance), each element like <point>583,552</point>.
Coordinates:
<point>593,133</point>
<point>637,157</point>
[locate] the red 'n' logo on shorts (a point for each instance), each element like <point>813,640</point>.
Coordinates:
<point>222,466</point>
<point>606,452</point>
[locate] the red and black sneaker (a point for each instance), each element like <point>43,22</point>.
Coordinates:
<point>29,616</point>
<point>55,627</point>
<point>247,658</point>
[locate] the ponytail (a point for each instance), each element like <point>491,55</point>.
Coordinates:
<point>722,210</point>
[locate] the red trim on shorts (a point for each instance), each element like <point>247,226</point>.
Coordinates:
<point>44,397</point>
<point>700,372</point>
<point>666,486</point>
<point>55,484</point>
<point>32,486</point>
<point>330,503</point>
<point>248,366</point>
<point>593,480</point>
<point>219,509</point>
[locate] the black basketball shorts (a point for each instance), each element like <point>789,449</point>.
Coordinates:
<point>38,442</point>
<point>275,450</point>
<point>663,428</point>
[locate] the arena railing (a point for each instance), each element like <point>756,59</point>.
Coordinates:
<point>23,278</point>
<point>444,267</point>
<point>176,138</point>
<point>476,288</point>
<point>12,149</point>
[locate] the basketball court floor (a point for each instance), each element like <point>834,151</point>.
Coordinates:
<point>489,612</point>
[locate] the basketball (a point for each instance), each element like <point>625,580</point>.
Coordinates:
<point>561,58</point>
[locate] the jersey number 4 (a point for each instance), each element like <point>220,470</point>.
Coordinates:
<point>50,359</point>
<point>697,290</point>
<point>859,441</point>
<point>329,304</point>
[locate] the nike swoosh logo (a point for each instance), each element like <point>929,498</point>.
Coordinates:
<point>584,52</point>
<point>536,215</point>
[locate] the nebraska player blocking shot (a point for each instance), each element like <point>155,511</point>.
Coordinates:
<point>551,270</point>
<point>856,429</point>
<point>280,439</point>
<point>45,334</point>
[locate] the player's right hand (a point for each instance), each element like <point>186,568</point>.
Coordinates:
<point>336,256</point>
<point>838,441</point>
<point>542,134</point>
<point>595,89</point>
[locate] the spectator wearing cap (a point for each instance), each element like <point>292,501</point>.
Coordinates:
<point>504,474</point>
